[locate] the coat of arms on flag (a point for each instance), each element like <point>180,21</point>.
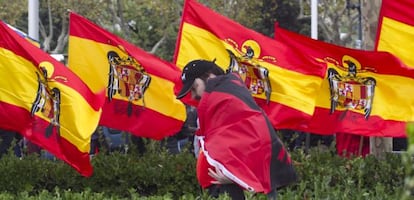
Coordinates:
<point>128,78</point>
<point>47,99</point>
<point>246,63</point>
<point>348,89</point>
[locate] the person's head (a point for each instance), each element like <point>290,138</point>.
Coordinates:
<point>195,75</point>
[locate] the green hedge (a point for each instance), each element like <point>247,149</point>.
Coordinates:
<point>159,175</point>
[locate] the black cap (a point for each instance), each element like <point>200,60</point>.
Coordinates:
<point>194,69</point>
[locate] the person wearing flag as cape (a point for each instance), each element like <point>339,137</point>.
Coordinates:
<point>239,147</point>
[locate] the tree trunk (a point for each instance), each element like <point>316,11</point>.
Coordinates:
<point>63,37</point>
<point>379,146</point>
<point>370,13</point>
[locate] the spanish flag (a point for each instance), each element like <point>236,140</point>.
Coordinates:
<point>45,102</point>
<point>139,86</point>
<point>284,87</point>
<point>364,92</point>
<point>396,29</point>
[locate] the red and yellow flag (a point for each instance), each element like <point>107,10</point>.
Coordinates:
<point>364,92</point>
<point>45,102</point>
<point>285,88</point>
<point>396,29</point>
<point>139,86</point>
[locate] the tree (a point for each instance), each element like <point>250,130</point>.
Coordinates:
<point>53,16</point>
<point>337,20</point>
<point>152,25</point>
<point>17,18</point>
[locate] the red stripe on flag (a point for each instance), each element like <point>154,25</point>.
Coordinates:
<point>33,129</point>
<point>354,123</point>
<point>292,119</point>
<point>146,122</point>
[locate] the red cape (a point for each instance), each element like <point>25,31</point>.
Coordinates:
<point>239,138</point>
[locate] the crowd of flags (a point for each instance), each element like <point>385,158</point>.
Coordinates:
<point>301,83</point>
<point>293,88</point>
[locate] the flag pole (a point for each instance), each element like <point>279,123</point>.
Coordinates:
<point>33,18</point>
<point>314,35</point>
<point>314,19</point>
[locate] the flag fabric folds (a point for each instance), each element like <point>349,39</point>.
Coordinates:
<point>45,102</point>
<point>139,86</point>
<point>364,92</point>
<point>285,88</point>
<point>396,29</point>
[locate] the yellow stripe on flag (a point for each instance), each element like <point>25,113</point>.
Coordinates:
<point>94,77</point>
<point>397,38</point>
<point>25,87</point>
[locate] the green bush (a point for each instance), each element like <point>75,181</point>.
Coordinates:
<point>159,175</point>
<point>324,175</point>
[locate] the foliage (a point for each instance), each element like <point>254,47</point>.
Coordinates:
<point>327,176</point>
<point>19,15</point>
<point>160,175</point>
<point>153,25</point>
<point>408,162</point>
<point>289,16</point>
